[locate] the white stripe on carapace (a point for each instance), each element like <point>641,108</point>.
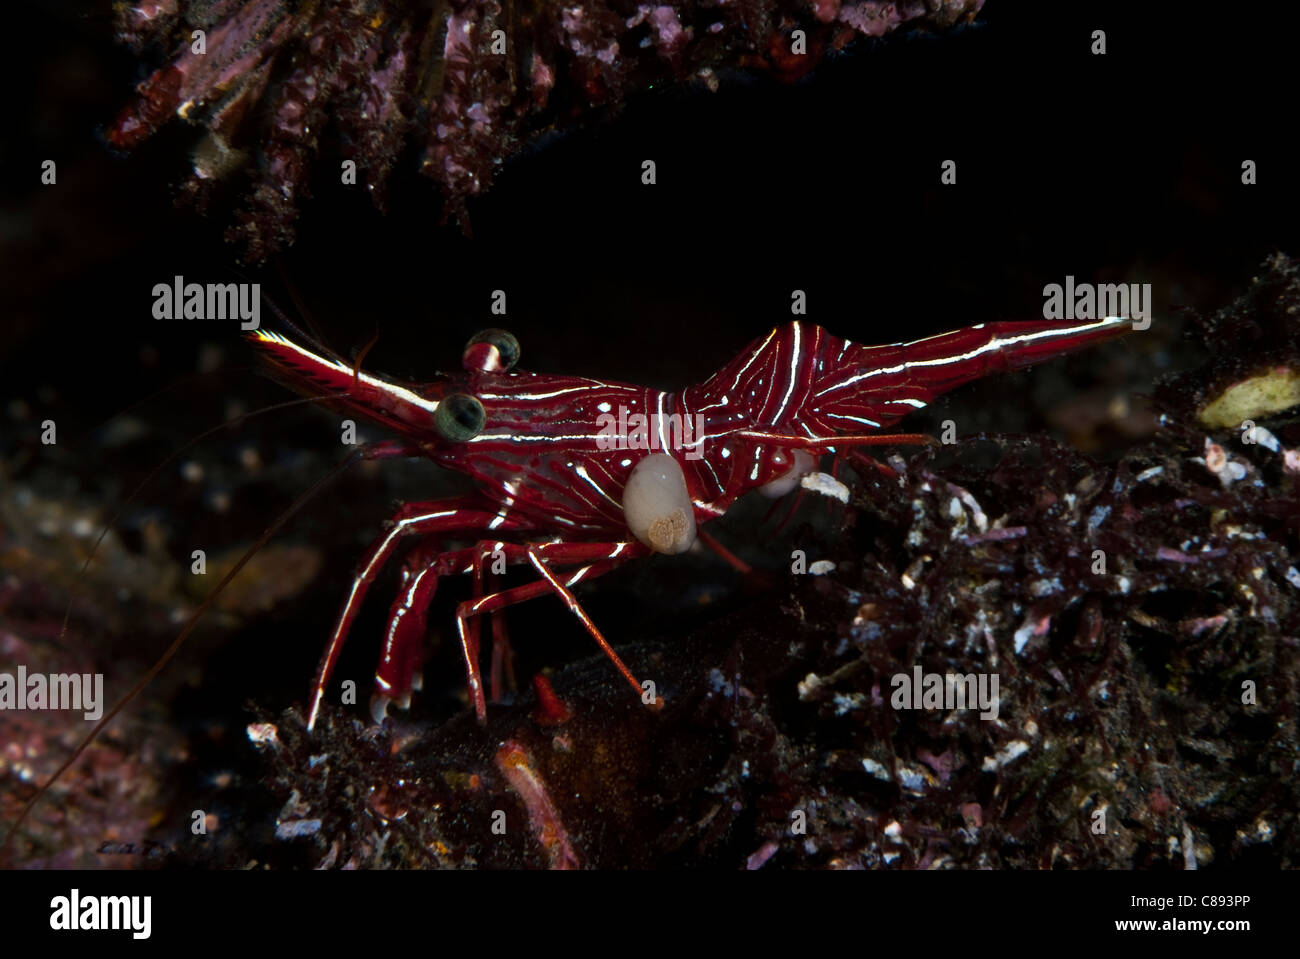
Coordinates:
<point>512,489</point>
<point>794,372</point>
<point>392,389</point>
<point>540,396</point>
<point>717,483</point>
<point>856,419</point>
<point>993,344</point>
<point>730,431</point>
<point>532,437</point>
<point>752,357</point>
<point>586,478</point>
<point>927,339</point>
<point>918,404</point>
<point>660,422</point>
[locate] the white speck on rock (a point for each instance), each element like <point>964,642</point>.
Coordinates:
<point>1009,753</point>
<point>874,768</point>
<point>263,733</point>
<point>826,485</point>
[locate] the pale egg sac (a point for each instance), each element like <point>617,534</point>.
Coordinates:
<point>657,505</point>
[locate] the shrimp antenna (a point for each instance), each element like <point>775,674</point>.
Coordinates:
<point>184,634</point>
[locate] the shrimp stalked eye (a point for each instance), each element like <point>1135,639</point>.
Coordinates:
<point>801,464</point>
<point>657,505</point>
<point>493,351</point>
<point>460,417</point>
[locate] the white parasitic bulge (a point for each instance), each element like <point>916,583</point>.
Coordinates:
<point>657,505</point>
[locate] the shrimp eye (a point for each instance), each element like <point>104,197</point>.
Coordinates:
<point>492,351</point>
<point>459,417</point>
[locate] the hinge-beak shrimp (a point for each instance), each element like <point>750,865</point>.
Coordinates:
<point>577,476</point>
<point>562,492</point>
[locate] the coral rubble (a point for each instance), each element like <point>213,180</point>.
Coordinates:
<point>279,85</point>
